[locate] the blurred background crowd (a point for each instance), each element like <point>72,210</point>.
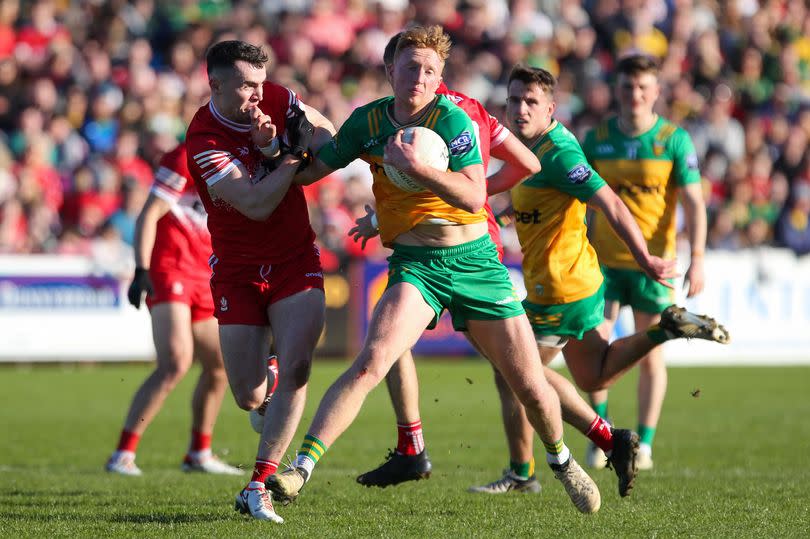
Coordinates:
<point>93,92</point>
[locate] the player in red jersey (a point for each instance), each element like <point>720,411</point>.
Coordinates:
<point>409,461</point>
<point>267,274</point>
<point>172,245</point>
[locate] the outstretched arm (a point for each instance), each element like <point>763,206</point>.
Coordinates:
<point>694,209</point>
<point>624,224</point>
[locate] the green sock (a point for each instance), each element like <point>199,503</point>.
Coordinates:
<point>601,409</point>
<point>657,334</point>
<point>646,434</point>
<point>312,449</point>
<point>524,470</point>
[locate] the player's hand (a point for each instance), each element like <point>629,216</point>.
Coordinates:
<point>661,270</point>
<point>400,154</point>
<point>694,280</point>
<point>140,283</point>
<point>364,228</point>
<point>262,128</point>
<point>299,133</point>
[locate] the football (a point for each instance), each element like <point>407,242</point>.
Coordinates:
<point>430,148</point>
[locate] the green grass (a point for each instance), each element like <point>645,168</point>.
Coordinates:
<point>732,462</point>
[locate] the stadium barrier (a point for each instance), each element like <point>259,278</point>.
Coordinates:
<point>66,309</point>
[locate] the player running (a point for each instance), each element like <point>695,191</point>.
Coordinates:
<point>565,296</point>
<point>266,268</point>
<point>172,245</point>
<point>650,163</point>
<point>443,259</point>
<point>409,461</point>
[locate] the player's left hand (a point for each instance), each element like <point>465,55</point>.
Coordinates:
<point>364,228</point>
<point>400,154</point>
<point>694,280</point>
<point>262,128</point>
<point>661,270</point>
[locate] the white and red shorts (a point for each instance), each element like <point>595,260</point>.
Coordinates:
<point>175,288</point>
<point>243,292</point>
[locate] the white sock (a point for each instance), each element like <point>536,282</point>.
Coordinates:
<point>200,455</point>
<point>560,458</point>
<point>303,461</point>
<point>645,449</point>
<point>118,455</point>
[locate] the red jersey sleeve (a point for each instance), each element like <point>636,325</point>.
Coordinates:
<point>172,176</point>
<point>208,160</point>
<point>497,131</point>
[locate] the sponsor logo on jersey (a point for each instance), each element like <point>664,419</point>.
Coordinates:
<point>632,146</point>
<point>455,99</point>
<point>243,151</point>
<point>315,274</point>
<point>579,174</point>
<point>658,149</point>
<point>604,148</point>
<point>223,304</point>
<point>529,218</point>
<point>692,161</point>
<point>461,144</point>
<point>371,142</point>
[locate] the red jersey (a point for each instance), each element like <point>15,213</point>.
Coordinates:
<point>217,145</point>
<point>182,240</point>
<point>490,133</point>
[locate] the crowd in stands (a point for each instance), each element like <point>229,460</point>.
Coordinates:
<point>93,93</point>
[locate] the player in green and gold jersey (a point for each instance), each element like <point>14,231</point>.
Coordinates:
<point>443,259</point>
<point>565,301</point>
<point>650,163</point>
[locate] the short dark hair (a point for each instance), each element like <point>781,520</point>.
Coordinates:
<point>636,64</point>
<point>225,54</point>
<point>533,75</point>
<point>390,49</point>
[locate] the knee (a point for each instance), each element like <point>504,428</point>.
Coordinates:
<point>170,375</point>
<point>248,400</point>
<point>371,366</point>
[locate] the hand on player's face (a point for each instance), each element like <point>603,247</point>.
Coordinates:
<point>262,129</point>
<point>363,228</point>
<point>400,154</point>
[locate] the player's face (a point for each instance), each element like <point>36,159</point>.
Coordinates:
<point>415,76</point>
<point>238,91</point>
<point>637,94</point>
<point>528,109</point>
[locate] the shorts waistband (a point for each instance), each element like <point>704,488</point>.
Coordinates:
<point>455,251</point>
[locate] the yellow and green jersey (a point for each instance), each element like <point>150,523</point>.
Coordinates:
<point>646,172</point>
<point>366,133</point>
<point>559,264</point>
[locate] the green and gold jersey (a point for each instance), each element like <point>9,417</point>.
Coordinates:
<point>559,264</point>
<point>366,133</point>
<point>645,171</point>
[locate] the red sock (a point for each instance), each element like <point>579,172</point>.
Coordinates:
<point>410,440</point>
<point>599,432</point>
<point>128,441</point>
<point>263,470</point>
<point>199,441</point>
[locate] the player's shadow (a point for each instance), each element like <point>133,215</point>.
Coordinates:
<point>166,518</point>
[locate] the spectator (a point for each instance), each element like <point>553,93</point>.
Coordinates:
<point>793,226</point>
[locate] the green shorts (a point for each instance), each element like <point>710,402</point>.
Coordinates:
<point>567,319</point>
<point>636,289</point>
<point>468,280</point>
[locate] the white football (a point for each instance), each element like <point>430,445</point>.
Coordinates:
<point>430,149</point>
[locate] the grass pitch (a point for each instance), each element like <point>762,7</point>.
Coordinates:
<point>731,460</point>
